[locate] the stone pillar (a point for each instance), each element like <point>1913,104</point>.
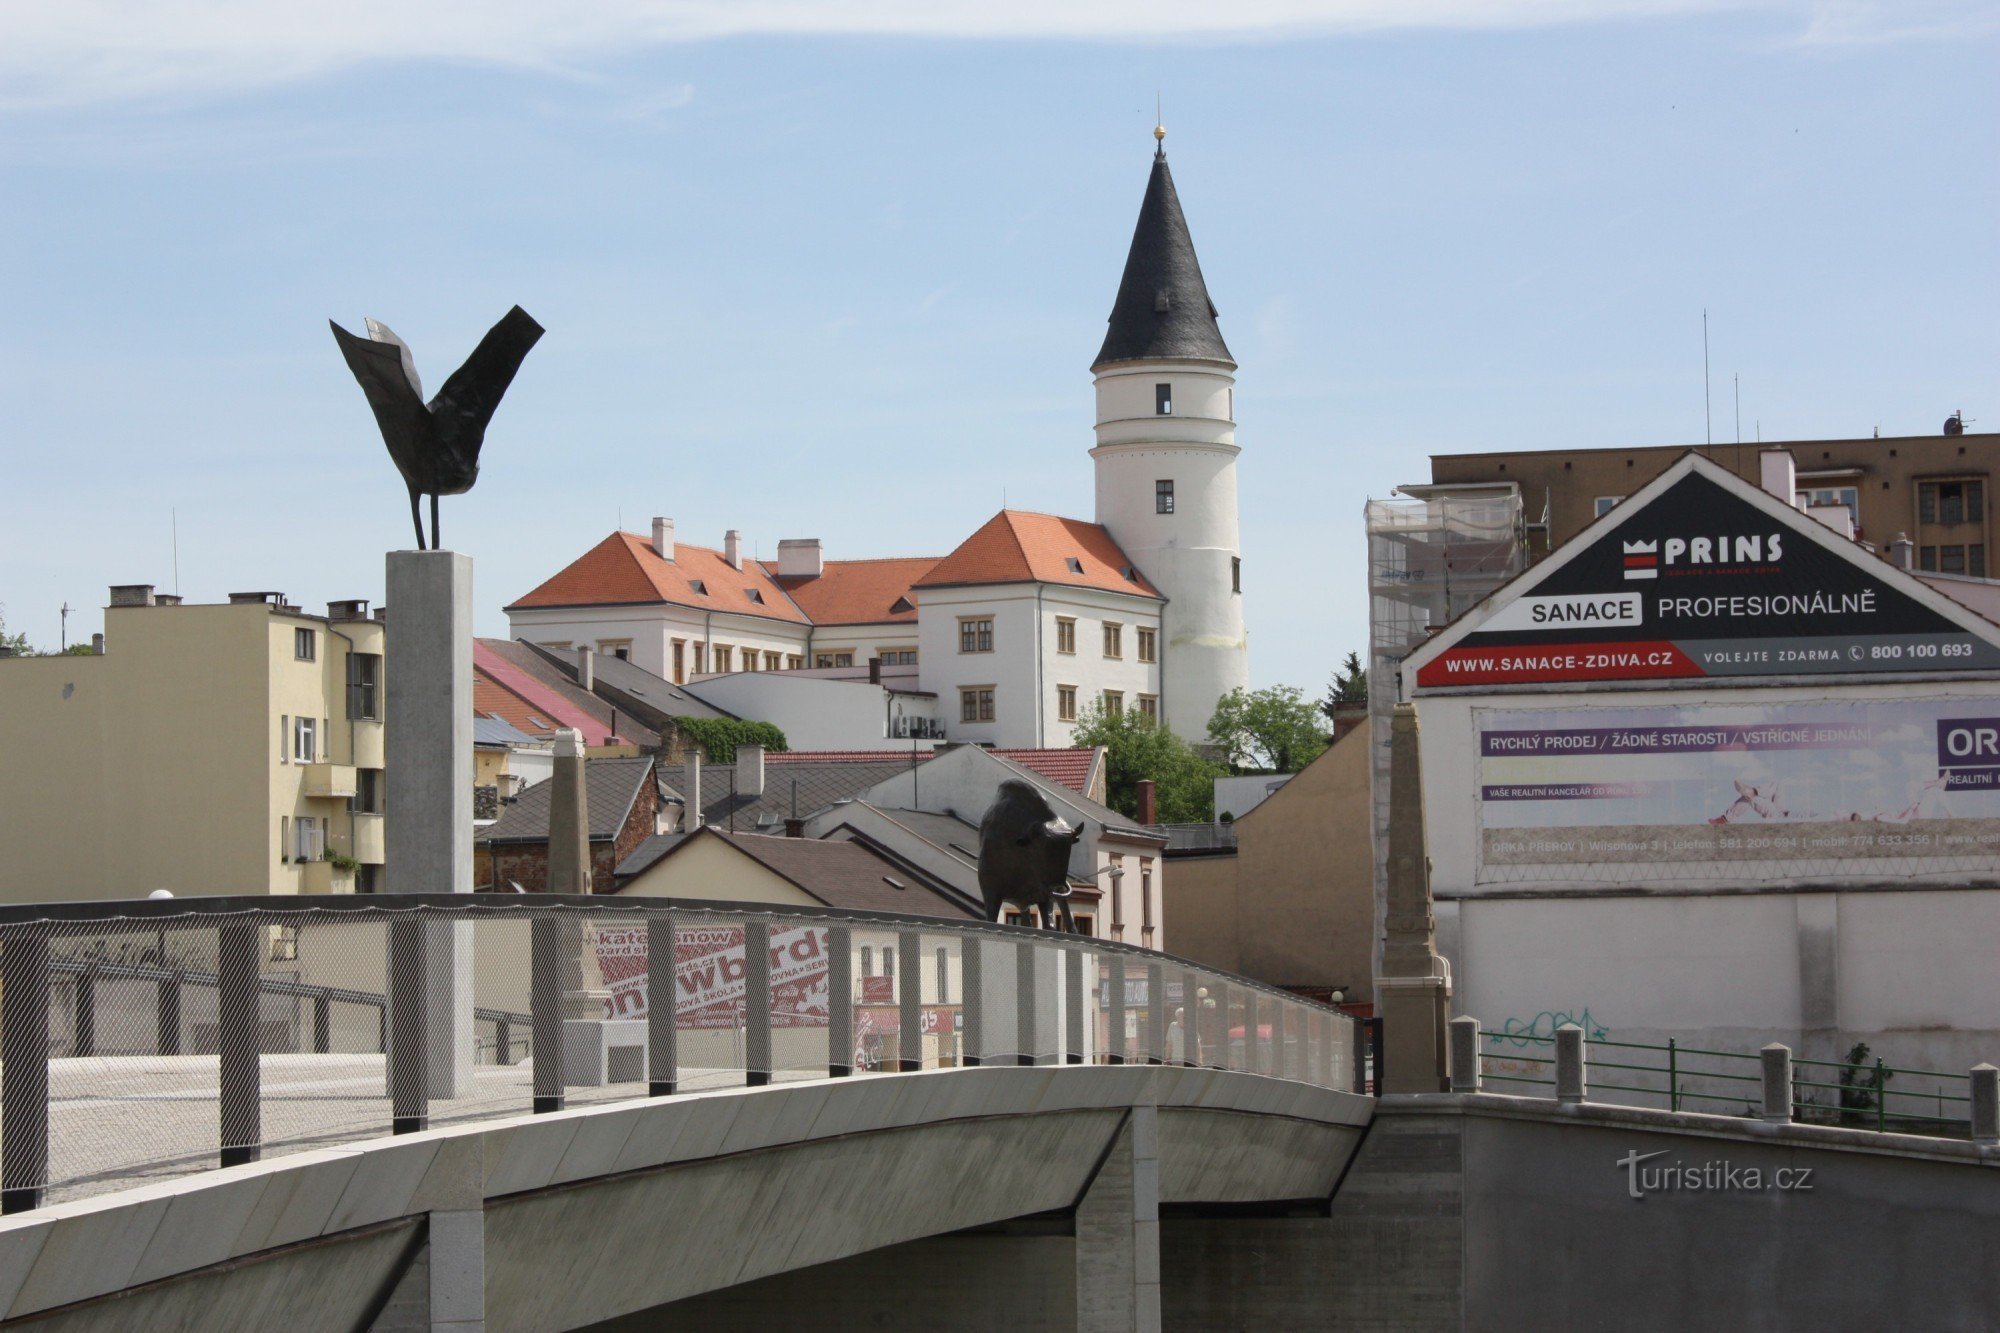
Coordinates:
<point>1572,1065</point>
<point>427,817</point>
<point>1465,1054</point>
<point>1415,984</point>
<point>569,817</point>
<point>1118,1234</point>
<point>1775,1061</point>
<point>1986,1106</point>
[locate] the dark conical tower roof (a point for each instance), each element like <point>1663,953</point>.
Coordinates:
<point>1162,308</point>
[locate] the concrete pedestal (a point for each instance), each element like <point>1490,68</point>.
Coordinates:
<point>601,1051</point>
<point>427,819</point>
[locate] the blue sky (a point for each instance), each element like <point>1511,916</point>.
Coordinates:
<point>840,271</point>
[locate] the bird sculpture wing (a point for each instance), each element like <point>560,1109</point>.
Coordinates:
<point>469,398</point>
<point>382,333</point>
<point>401,414</point>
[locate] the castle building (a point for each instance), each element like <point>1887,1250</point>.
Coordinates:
<point>1032,619</point>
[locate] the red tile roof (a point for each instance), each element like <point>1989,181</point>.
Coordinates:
<point>1067,767</point>
<point>857,592</point>
<point>502,689</point>
<point>1019,547</point>
<point>624,569</point>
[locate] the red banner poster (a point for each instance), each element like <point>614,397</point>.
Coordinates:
<point>709,973</point>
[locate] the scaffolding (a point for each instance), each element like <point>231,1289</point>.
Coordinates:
<point>1431,557</point>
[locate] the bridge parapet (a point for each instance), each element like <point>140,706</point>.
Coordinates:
<point>146,1040</point>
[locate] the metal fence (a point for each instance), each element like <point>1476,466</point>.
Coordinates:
<point>140,1040</point>
<point>1856,1094</point>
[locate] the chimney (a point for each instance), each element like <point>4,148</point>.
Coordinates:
<point>732,548</point>
<point>1778,474</point>
<point>799,557</point>
<point>663,538</point>
<point>874,671</point>
<point>131,594</point>
<point>691,779</point>
<point>254,598</point>
<point>750,770</point>
<point>1148,801</point>
<point>586,667</point>
<point>353,609</point>
<point>166,599</point>
<point>1901,550</point>
<point>97,645</point>
<point>795,828</point>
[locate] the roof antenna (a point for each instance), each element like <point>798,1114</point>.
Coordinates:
<point>1707,420</point>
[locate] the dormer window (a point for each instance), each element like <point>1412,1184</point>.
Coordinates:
<point>700,588</point>
<point>900,605</point>
<point>1075,565</point>
<point>755,595</point>
<point>1163,400</point>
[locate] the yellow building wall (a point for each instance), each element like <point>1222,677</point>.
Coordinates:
<point>710,869</point>
<point>1296,905</point>
<point>156,766</point>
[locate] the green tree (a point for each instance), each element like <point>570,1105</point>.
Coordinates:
<point>15,643</point>
<point>1136,747</point>
<point>1272,730</point>
<point>1350,686</point>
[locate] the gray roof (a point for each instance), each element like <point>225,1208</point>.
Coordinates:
<point>1162,309</point>
<point>1112,821</point>
<point>635,690</point>
<point>647,852</point>
<point>610,789</point>
<point>628,726</point>
<point>946,831</point>
<point>805,787</point>
<point>497,731</point>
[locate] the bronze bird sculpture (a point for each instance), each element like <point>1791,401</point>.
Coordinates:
<point>436,445</point>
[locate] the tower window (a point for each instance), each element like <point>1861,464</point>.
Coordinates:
<point>1236,573</point>
<point>1163,497</point>
<point>1163,400</point>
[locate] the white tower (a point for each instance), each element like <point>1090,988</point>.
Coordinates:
<point>1166,457</point>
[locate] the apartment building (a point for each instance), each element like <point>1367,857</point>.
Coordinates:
<point>231,748</point>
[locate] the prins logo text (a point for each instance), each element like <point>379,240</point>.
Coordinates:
<point>1645,560</point>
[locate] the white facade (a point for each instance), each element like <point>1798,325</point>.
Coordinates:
<point>1193,554</point>
<point>816,713</point>
<point>1026,669</point>
<point>650,633</point>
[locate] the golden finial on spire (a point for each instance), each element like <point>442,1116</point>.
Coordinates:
<point>1159,122</point>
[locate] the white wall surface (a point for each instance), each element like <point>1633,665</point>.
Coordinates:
<point>1239,796</point>
<point>814,713</point>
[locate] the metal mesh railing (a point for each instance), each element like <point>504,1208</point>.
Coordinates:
<point>149,1039</point>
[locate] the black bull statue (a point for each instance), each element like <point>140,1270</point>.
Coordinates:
<point>1024,855</point>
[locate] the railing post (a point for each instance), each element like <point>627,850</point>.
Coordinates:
<point>1775,1063</point>
<point>1881,1097</point>
<point>86,1011</point>
<point>167,1014</point>
<point>1253,1009</point>
<point>409,1030</point>
<point>1156,1014</point>
<point>663,1056</point>
<point>503,1039</point>
<point>239,1042</point>
<point>910,1000</point>
<point>1114,985</point>
<point>1375,1052</point>
<point>1673,1075</point>
<point>1025,1035</point>
<point>1222,1005</point>
<point>1985,1094</point>
<point>1075,1004</point>
<point>971,952</point>
<point>24,1071</point>
<point>839,1001</point>
<point>322,1024</point>
<point>1292,1055</point>
<point>1190,1015</point>
<point>545,996</point>
<point>1465,1059</point>
<point>1572,1079</point>
<point>756,1004</point>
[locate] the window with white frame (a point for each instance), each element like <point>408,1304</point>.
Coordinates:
<point>308,838</point>
<point>305,737</point>
<point>1603,505</point>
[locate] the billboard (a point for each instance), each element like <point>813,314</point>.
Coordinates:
<point>1876,790</point>
<point>1700,582</point>
<point>709,972</point>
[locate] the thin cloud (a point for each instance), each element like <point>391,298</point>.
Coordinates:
<point>84,51</point>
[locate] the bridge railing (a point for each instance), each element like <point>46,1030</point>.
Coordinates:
<point>140,1040</point>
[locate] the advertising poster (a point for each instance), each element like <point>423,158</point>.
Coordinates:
<point>1880,790</point>
<point>1698,582</point>
<point>709,975</point>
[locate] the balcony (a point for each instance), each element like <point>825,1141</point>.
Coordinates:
<point>368,841</point>
<point>329,782</point>
<point>367,743</point>
<point>322,877</point>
